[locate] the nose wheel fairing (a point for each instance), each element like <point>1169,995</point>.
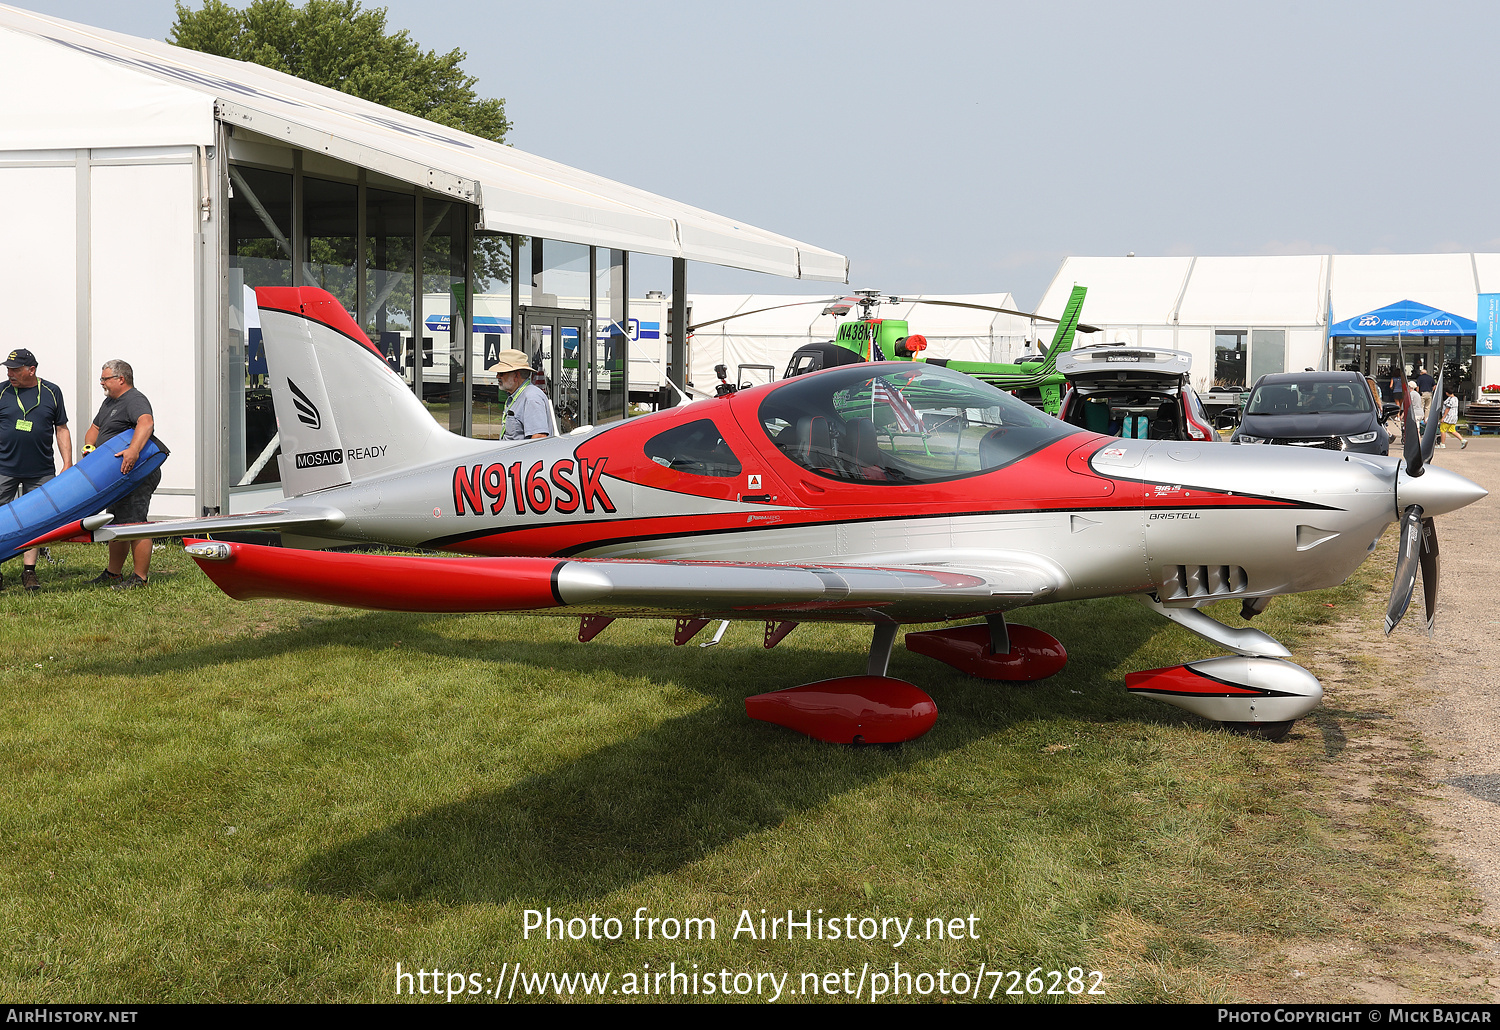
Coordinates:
<point>1236,689</point>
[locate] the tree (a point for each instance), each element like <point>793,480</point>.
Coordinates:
<point>335,43</point>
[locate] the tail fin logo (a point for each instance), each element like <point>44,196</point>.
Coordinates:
<point>307,411</point>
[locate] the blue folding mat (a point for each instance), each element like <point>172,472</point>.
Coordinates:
<point>83,490</point>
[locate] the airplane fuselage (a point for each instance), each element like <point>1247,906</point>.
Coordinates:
<point>1094,516</point>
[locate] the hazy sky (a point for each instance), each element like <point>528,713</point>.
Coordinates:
<point>968,147</point>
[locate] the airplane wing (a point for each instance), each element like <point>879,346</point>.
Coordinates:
<point>660,589</point>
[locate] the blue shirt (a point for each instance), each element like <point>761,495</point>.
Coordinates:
<point>27,453</point>
<point>527,413</point>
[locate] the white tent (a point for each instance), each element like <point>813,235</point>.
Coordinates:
<point>1255,291</point>
<point>64,85</point>
<point>115,201</point>
<point>1366,282</point>
<point>1122,291</point>
<point>1283,302</point>
<point>771,337</point>
<point>1280,302</point>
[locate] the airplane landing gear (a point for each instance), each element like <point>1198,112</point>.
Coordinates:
<point>869,709</point>
<point>1018,654</point>
<point>1257,696</point>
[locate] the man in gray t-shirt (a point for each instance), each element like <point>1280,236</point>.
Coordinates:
<point>528,413</point>
<point>125,409</point>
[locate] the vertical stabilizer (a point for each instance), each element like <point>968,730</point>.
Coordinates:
<point>312,453</point>
<point>1067,326</point>
<point>343,414</point>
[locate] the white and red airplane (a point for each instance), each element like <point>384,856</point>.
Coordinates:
<point>888,494</point>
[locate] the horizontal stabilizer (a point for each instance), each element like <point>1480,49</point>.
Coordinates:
<point>81,532</point>
<point>264,521</point>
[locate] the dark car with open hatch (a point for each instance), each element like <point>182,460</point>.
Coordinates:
<point>1141,392</point>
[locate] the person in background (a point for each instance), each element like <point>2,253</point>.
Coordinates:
<point>528,413</point>
<point>1424,387</point>
<point>1414,405</point>
<point>32,415</point>
<point>1449,423</point>
<point>125,409</point>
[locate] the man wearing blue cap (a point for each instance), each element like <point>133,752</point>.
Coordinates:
<point>32,414</point>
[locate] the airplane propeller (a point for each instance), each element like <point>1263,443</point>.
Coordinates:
<point>1419,541</point>
<point>1418,549</point>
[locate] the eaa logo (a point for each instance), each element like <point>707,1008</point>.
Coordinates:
<point>307,411</point>
<point>1368,320</point>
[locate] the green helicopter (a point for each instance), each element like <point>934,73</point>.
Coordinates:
<point>866,337</point>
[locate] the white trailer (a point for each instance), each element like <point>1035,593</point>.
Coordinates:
<point>646,329</point>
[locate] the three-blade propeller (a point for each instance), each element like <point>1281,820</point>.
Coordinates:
<point>1419,542</point>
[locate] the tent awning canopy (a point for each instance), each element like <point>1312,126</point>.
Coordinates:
<point>1405,318</point>
<point>66,86</point>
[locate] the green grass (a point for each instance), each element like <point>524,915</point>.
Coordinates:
<point>209,800</point>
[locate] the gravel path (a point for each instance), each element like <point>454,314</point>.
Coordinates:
<point>1461,669</point>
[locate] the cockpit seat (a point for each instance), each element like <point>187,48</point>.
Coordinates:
<point>814,443</point>
<point>867,454</point>
<point>992,449</point>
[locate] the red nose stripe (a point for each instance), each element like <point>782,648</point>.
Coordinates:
<point>1179,679</point>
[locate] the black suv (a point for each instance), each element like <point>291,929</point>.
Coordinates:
<point>1331,410</point>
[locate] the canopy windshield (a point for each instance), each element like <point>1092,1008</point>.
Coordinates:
<point>896,423</point>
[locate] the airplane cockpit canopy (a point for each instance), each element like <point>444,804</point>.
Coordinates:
<point>897,423</point>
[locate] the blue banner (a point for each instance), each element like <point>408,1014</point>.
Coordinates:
<point>1404,318</point>
<point>1487,337</point>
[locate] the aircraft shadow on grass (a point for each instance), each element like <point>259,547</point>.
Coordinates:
<point>689,785</point>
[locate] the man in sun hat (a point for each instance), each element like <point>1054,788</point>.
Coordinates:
<point>528,412</point>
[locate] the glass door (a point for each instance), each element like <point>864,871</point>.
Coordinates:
<point>570,400</point>
<point>555,342</point>
<point>1383,361</point>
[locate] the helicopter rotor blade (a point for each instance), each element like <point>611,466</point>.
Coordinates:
<point>775,307</point>
<point>853,301</point>
<point>1004,311</point>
